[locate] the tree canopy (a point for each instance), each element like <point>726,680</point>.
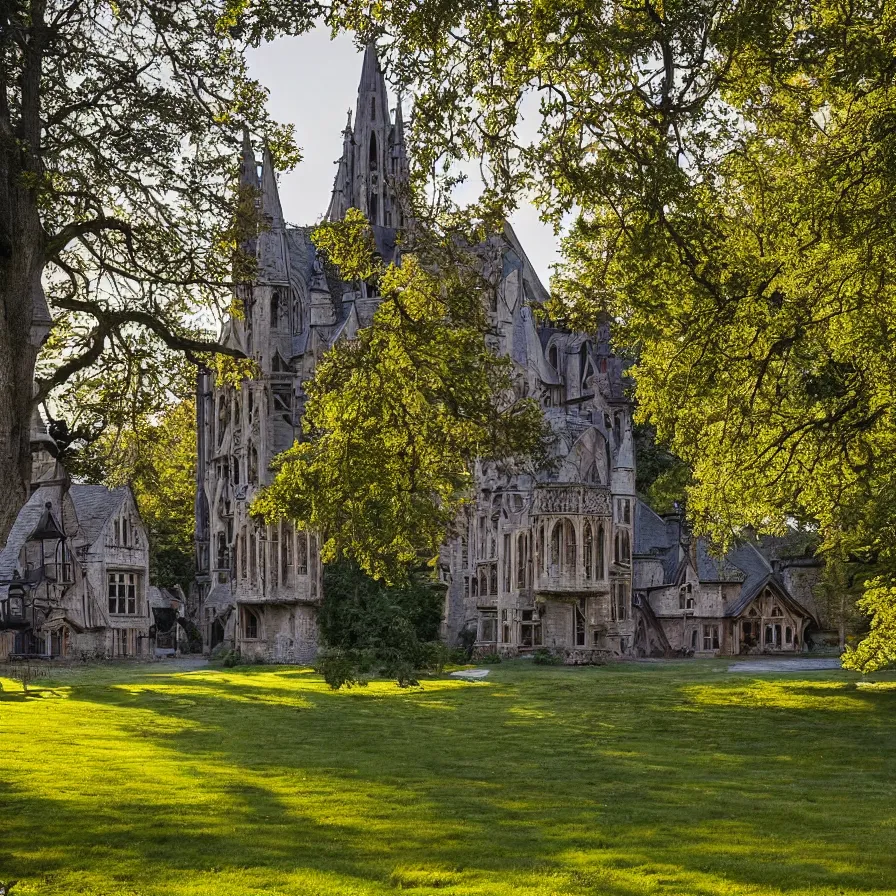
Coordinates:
<point>120,124</point>
<point>730,172</point>
<point>396,418</point>
<point>156,455</point>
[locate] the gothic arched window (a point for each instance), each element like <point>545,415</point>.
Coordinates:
<point>588,545</point>
<point>569,546</point>
<point>521,559</point>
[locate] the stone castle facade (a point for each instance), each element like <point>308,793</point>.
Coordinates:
<point>544,560</point>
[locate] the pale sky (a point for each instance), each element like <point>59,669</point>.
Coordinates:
<point>313,83</point>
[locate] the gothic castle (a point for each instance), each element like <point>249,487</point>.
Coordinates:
<point>568,560</point>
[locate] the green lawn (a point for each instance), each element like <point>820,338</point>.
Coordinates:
<point>621,780</point>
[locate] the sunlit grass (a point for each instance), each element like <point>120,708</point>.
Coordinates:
<point>620,780</point>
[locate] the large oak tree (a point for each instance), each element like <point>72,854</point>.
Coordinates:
<point>120,122</point>
<point>729,166</point>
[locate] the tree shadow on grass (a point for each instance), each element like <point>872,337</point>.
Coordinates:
<point>611,784</point>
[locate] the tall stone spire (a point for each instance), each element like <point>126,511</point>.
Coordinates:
<point>246,222</point>
<point>373,153</point>
<point>248,165</point>
<point>340,200</point>
<point>400,170</point>
<point>272,263</point>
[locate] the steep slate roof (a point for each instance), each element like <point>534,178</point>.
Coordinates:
<point>711,568</point>
<point>653,536</point>
<point>221,598</point>
<point>95,505</point>
<point>26,522</point>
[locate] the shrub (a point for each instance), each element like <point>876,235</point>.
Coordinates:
<point>490,659</point>
<point>544,657</point>
<point>339,668</point>
<point>232,658</point>
<point>368,626</point>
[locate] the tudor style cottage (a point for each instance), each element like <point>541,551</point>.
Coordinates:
<point>544,559</point>
<point>78,560</point>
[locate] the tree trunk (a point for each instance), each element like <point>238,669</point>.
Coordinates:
<point>21,265</point>
<point>21,260</point>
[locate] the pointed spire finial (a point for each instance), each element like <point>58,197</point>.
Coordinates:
<point>270,193</point>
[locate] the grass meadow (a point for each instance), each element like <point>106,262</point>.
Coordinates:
<point>625,780</point>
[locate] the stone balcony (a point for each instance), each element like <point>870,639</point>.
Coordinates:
<point>572,500</point>
<point>571,584</point>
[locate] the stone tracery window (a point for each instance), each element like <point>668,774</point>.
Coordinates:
<point>569,546</point>
<point>588,549</point>
<point>302,553</point>
<point>521,560</point>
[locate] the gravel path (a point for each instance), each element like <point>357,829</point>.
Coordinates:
<point>794,665</point>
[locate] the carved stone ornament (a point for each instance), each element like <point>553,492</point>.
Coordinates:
<point>573,499</point>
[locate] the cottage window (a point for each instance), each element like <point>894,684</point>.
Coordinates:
<point>694,639</point>
<point>788,635</point>
<point>122,593</point>
<point>579,622</point>
<point>710,637</point>
<point>530,629</point>
<point>488,627</point>
<point>685,601</point>
<point>251,625</point>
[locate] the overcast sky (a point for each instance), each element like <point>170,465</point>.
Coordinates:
<point>313,83</point>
